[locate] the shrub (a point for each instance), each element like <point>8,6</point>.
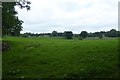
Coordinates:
<point>83,34</point>
<point>68,34</point>
<point>54,33</point>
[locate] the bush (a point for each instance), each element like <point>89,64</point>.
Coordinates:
<point>83,34</point>
<point>68,34</point>
<point>54,33</point>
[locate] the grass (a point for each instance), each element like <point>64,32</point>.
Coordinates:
<point>60,58</point>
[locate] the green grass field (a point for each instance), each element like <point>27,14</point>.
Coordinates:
<point>60,58</point>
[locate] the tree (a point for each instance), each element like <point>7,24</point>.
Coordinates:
<point>112,33</point>
<point>11,25</point>
<point>60,34</point>
<point>100,36</point>
<point>83,34</point>
<point>54,33</point>
<point>68,34</point>
<point>118,33</point>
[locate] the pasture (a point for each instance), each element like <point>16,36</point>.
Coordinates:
<point>60,58</point>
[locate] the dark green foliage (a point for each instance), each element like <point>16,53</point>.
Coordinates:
<point>101,34</point>
<point>60,34</point>
<point>118,33</point>
<point>43,34</point>
<point>24,35</point>
<point>8,17</point>
<point>54,33</point>
<point>11,25</point>
<point>24,4</point>
<point>112,33</point>
<point>68,34</point>
<point>83,34</point>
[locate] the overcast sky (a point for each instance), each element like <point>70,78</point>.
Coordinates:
<point>70,15</point>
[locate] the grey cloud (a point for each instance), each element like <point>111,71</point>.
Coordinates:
<point>75,15</point>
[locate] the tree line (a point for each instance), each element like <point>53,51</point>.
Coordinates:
<point>12,25</point>
<point>70,35</point>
